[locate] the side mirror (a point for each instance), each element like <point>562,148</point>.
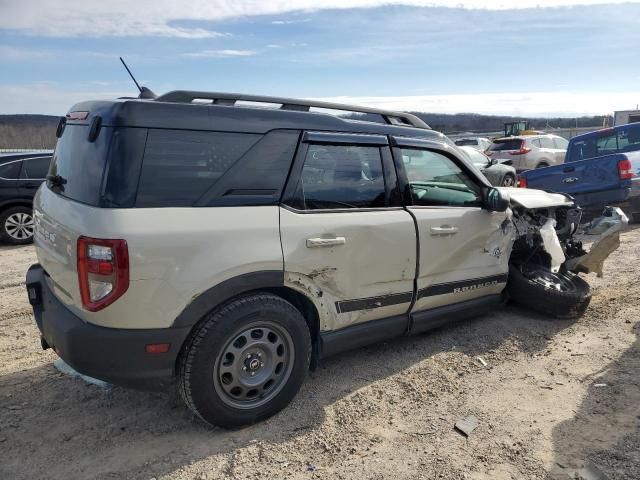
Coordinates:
<point>495,200</point>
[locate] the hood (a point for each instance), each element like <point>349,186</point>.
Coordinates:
<point>532,198</point>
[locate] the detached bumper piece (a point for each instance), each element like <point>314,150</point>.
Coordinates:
<point>118,356</point>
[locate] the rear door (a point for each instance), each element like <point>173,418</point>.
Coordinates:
<point>463,248</point>
<point>348,244</point>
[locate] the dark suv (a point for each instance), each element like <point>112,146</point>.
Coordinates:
<point>20,176</point>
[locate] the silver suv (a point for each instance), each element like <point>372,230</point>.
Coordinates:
<point>229,249</point>
<point>527,152</point>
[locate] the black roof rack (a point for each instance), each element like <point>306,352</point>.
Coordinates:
<point>230,99</point>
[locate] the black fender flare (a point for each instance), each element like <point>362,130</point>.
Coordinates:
<point>220,293</point>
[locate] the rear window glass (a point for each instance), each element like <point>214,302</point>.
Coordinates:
<point>35,168</point>
<point>624,140</point>
<point>79,164</point>
<point>10,171</point>
<point>508,144</point>
<point>179,166</point>
<point>466,142</point>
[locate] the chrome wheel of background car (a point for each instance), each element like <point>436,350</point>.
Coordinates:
<point>550,280</point>
<point>254,365</point>
<point>19,226</point>
<point>508,181</point>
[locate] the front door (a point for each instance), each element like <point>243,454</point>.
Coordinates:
<point>464,249</point>
<point>347,242</point>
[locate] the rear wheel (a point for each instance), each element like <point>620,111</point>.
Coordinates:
<point>508,180</point>
<point>561,295</point>
<point>246,361</point>
<point>16,225</point>
<point>542,165</point>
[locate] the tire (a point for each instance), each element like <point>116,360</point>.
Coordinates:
<point>16,225</point>
<point>634,217</point>
<point>245,362</point>
<point>508,181</point>
<point>560,295</point>
<point>542,165</point>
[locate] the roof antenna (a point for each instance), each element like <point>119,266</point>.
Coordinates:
<point>144,91</point>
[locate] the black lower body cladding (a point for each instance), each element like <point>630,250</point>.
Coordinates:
<point>114,355</point>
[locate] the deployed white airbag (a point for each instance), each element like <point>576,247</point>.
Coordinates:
<point>552,244</point>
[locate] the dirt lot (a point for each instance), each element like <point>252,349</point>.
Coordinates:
<point>556,396</point>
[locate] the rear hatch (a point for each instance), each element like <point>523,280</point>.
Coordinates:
<point>70,195</point>
<point>505,148</point>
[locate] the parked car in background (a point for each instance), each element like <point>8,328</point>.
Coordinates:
<point>530,151</point>
<point>499,174</point>
<point>601,168</point>
<point>478,143</point>
<point>20,176</point>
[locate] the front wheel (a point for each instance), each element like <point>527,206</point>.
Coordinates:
<point>560,295</point>
<point>246,361</point>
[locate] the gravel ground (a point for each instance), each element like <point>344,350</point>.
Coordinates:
<point>556,398</point>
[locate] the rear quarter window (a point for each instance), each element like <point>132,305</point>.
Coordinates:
<point>509,144</point>
<point>10,171</point>
<point>179,166</point>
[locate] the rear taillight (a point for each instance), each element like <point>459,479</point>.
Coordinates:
<point>522,182</point>
<point>103,271</point>
<point>522,150</point>
<point>625,169</point>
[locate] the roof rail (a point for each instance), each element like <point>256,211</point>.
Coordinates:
<point>230,99</point>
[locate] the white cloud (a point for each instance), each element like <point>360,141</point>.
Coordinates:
<point>160,17</point>
<point>220,53</point>
<point>54,99</point>
<point>544,104</point>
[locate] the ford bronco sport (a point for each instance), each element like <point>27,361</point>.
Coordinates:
<point>198,238</point>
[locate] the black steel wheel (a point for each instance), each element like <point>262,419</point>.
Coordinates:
<point>254,365</point>
<point>245,361</point>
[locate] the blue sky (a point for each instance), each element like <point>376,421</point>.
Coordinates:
<point>580,58</point>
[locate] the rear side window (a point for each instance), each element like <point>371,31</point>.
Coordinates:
<point>561,143</point>
<point>35,168</point>
<point>340,176</point>
<point>179,166</point>
<point>10,171</point>
<point>507,144</point>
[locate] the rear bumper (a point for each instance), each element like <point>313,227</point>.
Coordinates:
<point>114,355</point>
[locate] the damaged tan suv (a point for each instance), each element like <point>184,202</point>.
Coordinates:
<point>198,238</point>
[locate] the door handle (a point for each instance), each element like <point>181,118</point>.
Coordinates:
<point>568,169</point>
<point>325,242</point>
<point>570,180</point>
<point>444,230</point>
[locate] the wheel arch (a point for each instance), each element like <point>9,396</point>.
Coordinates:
<point>15,203</point>
<point>241,286</point>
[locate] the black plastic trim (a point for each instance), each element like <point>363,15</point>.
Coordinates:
<point>346,306</point>
<point>211,298</point>
<point>333,138</point>
<point>362,334</point>
<point>115,355</point>
<point>436,317</point>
